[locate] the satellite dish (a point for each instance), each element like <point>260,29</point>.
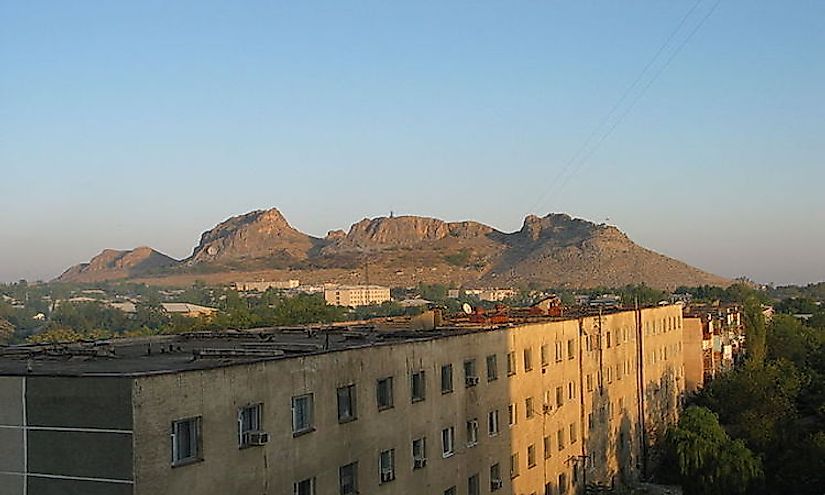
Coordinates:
<point>467,308</point>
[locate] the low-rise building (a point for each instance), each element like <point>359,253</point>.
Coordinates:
<point>262,286</point>
<point>356,295</point>
<point>545,405</point>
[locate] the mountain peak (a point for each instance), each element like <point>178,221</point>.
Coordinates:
<point>257,234</point>
<point>112,263</point>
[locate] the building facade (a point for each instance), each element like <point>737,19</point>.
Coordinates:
<point>356,295</point>
<point>544,407</point>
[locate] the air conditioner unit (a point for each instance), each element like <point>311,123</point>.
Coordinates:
<point>419,462</point>
<point>255,438</point>
<point>496,484</point>
<point>471,381</point>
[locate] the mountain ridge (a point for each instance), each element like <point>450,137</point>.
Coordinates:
<point>556,250</point>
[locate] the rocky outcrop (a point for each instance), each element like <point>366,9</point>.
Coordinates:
<point>255,235</point>
<point>113,264</point>
<point>404,231</point>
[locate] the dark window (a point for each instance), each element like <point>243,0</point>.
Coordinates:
<point>446,378</point>
<point>186,441</point>
<point>346,404</point>
<point>418,386</point>
<point>348,479</point>
<point>473,485</point>
<point>492,368</point>
<point>304,487</point>
<point>419,452</point>
<point>386,465</point>
<point>531,456</point>
<point>249,423</point>
<point>302,412</point>
<point>528,359</point>
<point>383,393</point>
<point>511,363</point>
<point>495,478</point>
<point>470,375</point>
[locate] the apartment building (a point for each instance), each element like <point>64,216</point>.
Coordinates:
<point>356,295</point>
<point>543,406</point>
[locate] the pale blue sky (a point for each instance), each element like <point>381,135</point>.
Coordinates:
<point>130,123</point>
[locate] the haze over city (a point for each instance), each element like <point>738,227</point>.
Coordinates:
<point>127,124</point>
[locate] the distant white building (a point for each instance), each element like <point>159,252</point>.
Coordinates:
<point>356,295</point>
<point>264,286</point>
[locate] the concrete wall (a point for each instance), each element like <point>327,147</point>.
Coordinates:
<point>609,450</point>
<point>67,436</point>
<point>694,362</point>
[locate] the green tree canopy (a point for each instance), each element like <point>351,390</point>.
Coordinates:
<point>707,460</point>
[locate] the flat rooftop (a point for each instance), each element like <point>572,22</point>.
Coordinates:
<point>204,350</point>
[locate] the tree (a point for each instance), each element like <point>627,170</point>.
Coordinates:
<point>6,331</point>
<point>707,460</point>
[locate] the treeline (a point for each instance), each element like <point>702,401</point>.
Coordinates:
<point>760,428</point>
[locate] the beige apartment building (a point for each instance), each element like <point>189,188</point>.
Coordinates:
<point>356,295</point>
<point>543,406</point>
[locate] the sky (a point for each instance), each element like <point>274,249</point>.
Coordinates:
<point>695,127</point>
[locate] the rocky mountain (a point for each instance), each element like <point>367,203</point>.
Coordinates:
<point>551,251</point>
<point>258,235</point>
<point>112,264</point>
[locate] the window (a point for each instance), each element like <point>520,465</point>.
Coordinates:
<point>492,368</point>
<point>528,359</point>
<point>511,363</point>
<point>418,386</point>
<point>249,422</point>
<point>528,407</point>
<point>383,393</point>
<point>446,378</point>
<point>512,413</point>
<point>588,342</point>
<point>470,376</point>
<point>559,351</point>
<point>473,485</point>
<point>571,349</point>
<point>492,423</point>
<point>559,396</point>
<point>531,456</point>
<point>563,483</point>
<point>560,439</point>
<point>305,487</point>
<point>472,432</point>
<point>589,382</point>
<point>609,340</point>
<point>348,479</point>
<point>186,441</point>
<point>448,441</point>
<point>419,453</point>
<point>545,358</point>
<point>346,404</point>
<point>386,465</point>
<point>450,491</point>
<point>609,374</point>
<point>548,447</point>
<point>590,422</point>
<point>571,390</point>
<point>495,478</point>
<point>548,488</point>
<point>573,433</point>
<point>514,465</point>
<point>302,414</point>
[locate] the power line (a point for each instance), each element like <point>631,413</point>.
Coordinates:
<point>583,153</point>
<point>639,95</point>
